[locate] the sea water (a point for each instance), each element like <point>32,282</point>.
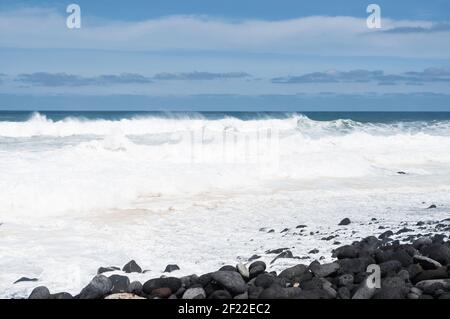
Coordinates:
<point>80,190</point>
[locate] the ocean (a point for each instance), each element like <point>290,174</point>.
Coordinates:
<point>80,190</point>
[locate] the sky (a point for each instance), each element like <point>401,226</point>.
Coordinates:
<point>282,55</point>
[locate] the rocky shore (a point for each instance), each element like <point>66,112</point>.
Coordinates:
<point>415,267</point>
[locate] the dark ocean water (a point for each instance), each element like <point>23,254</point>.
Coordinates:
<point>363,117</point>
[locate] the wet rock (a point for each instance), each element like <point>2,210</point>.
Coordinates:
<point>135,288</point>
<point>265,280</point>
<point>392,288</point>
<point>324,270</point>
<point>313,283</point>
<point>354,265</point>
<point>254,292</point>
<point>314,251</point>
<point>25,279</point>
<point>386,234</point>
<point>227,268</point>
<point>180,292</point>
<point>99,287</point>
<point>231,281</point>
<point>440,273</point>
<point>293,272</point>
<point>204,279</point>
<point>421,242</point>
<point>346,252</point>
<point>243,296</point>
<point>345,280</point>
<point>170,282</point>
<point>390,267</point>
<point>284,254</point>
<point>438,252</point>
<point>256,268</point>
<point>170,268</point>
<point>194,293</point>
<point>119,284</point>
<point>162,293</point>
<point>40,293</point>
<point>344,293</point>
<point>400,255</point>
<point>189,281</point>
<point>426,284</point>
<point>345,222</point>
<point>131,267</point>
<point>364,291</point>
<point>426,263</point>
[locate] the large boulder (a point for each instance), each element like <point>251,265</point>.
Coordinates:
<point>131,267</point>
<point>99,287</point>
<point>438,252</point>
<point>345,222</point>
<point>170,282</point>
<point>40,293</point>
<point>354,265</point>
<point>232,281</point>
<point>324,270</point>
<point>294,272</point>
<point>347,251</point>
<point>170,268</point>
<point>256,268</point>
<point>426,263</point>
<point>119,284</point>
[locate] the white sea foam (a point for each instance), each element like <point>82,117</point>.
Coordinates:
<point>93,192</point>
<point>51,167</point>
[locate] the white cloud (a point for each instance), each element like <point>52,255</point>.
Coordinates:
<point>318,35</point>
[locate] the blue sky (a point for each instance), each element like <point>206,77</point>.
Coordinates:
<point>219,55</point>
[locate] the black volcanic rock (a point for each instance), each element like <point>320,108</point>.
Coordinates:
<point>170,268</point>
<point>131,267</point>
<point>170,282</point>
<point>232,281</point>
<point>40,293</point>
<point>99,287</point>
<point>345,222</point>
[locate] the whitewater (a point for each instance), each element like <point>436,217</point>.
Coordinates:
<point>77,193</point>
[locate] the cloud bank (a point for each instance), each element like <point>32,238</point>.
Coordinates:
<point>64,79</point>
<point>193,76</point>
<point>430,75</point>
<point>316,35</point>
